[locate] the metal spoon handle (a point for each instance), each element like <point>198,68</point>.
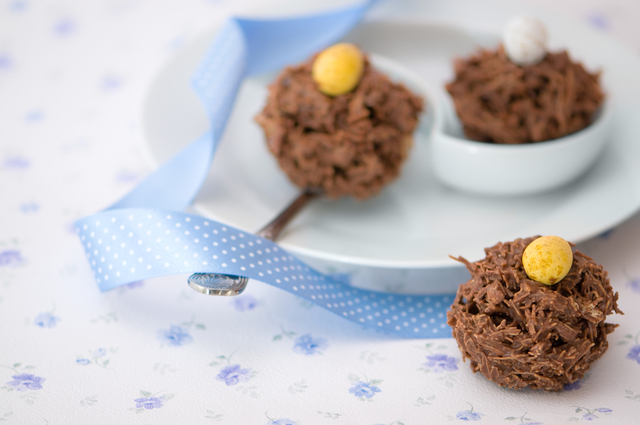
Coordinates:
<point>272,230</point>
<point>229,285</point>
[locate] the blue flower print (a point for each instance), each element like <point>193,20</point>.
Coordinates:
<point>441,363</point>
<point>309,346</point>
<point>46,320</point>
<point>10,257</point>
<point>283,421</point>
<point>233,374</point>
<point>175,336</point>
<point>18,6</point>
<point>244,303</point>
<point>97,357</point>
<point>148,403</point>
<point>589,417</point>
<point>634,353</point>
<point>467,415</point>
<point>34,116</point>
<point>26,381</point>
<point>29,207</point>
<point>364,389</point>
<point>573,386</point>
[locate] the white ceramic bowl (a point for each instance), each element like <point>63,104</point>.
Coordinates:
<point>494,169</point>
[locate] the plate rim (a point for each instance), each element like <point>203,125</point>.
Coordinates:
<point>354,259</point>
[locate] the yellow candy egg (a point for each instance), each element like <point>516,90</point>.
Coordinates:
<point>547,259</point>
<point>338,69</point>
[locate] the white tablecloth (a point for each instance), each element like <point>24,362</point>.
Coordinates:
<point>73,76</point>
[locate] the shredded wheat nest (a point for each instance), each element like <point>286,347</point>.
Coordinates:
<point>520,333</point>
<point>498,101</point>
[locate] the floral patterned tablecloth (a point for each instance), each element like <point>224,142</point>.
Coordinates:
<point>72,79</point>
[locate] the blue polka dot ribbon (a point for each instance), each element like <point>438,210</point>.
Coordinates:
<point>145,234</point>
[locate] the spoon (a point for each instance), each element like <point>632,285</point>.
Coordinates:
<point>230,285</point>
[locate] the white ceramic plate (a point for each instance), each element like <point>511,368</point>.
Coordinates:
<point>416,222</point>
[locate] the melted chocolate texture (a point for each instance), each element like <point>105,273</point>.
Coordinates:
<point>347,145</point>
<point>501,102</point>
<point>520,333</point>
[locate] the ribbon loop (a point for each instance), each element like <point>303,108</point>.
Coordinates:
<point>144,235</point>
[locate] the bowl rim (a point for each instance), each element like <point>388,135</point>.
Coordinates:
<point>601,120</point>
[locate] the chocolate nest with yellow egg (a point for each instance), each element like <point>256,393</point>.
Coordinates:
<point>346,141</point>
<point>521,333</point>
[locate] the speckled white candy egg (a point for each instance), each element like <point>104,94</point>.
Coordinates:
<point>525,40</point>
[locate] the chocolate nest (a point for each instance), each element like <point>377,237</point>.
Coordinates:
<point>498,101</point>
<point>348,145</point>
<point>520,333</point>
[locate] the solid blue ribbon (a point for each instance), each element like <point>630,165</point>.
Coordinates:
<point>144,235</point>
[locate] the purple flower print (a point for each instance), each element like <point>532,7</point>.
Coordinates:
<point>590,414</point>
<point>634,285</point>
<point>309,346</point>
<point>573,386</point>
<point>244,303</point>
<point>15,161</point>
<point>64,27</point>
<point>441,363</point>
<point>46,320</point>
<point>83,362</point>
<point>634,353</point>
<point>175,336</point>
<point>148,403</point>
<point>599,21</point>
<point>282,421</point>
<point>26,381</point>
<point>233,374</point>
<point>10,257</point>
<point>111,83</point>
<point>136,284</point>
<point>5,62</point>
<point>467,415</point>
<point>364,389</point>
<point>127,177</point>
